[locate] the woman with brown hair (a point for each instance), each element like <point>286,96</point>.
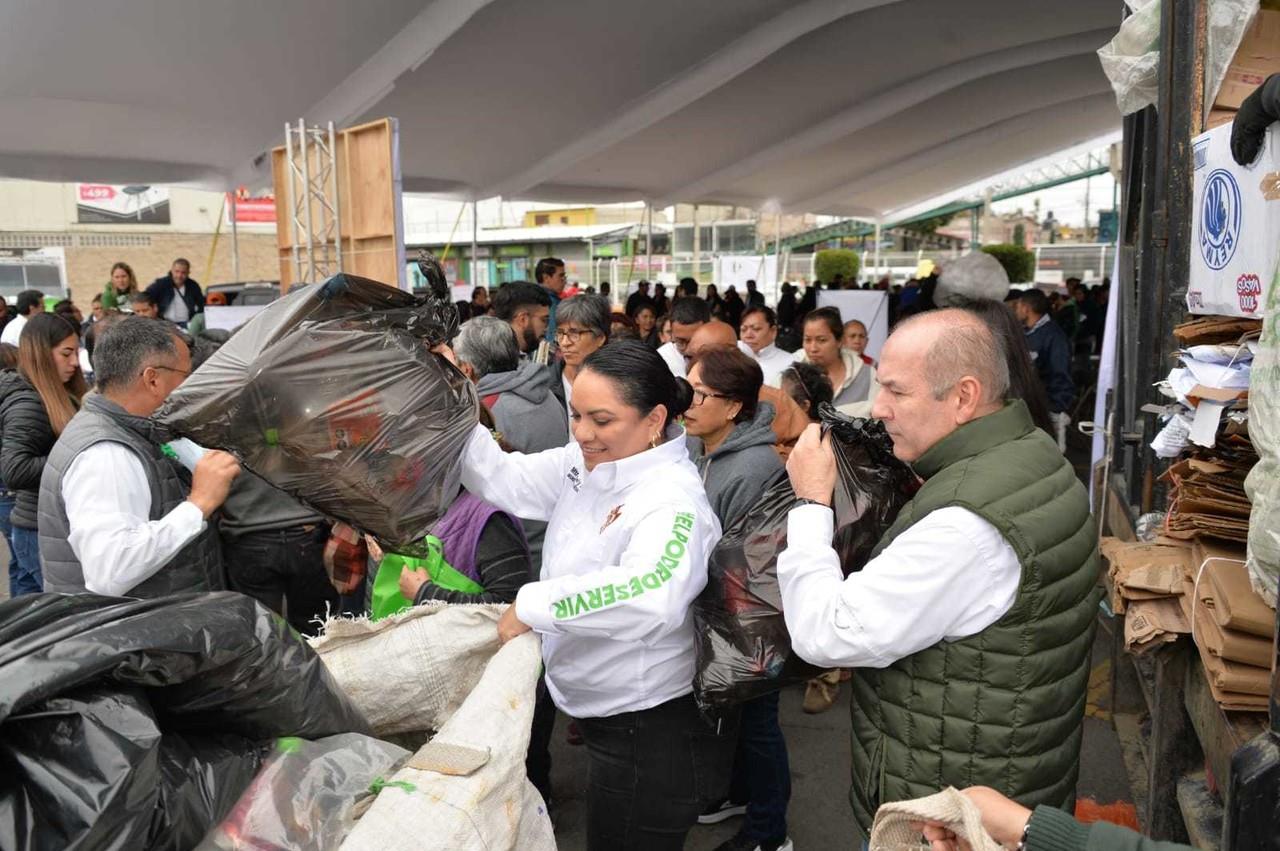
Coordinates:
<point>37,400</point>
<point>852,381</point>
<point>120,290</point>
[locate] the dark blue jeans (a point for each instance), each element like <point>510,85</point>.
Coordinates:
<point>761,771</point>
<point>26,547</point>
<point>284,570</point>
<point>6,528</point>
<point>651,773</point>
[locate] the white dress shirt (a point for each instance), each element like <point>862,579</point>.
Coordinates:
<point>773,361</point>
<point>108,503</point>
<point>177,312</point>
<point>675,360</point>
<point>13,330</point>
<point>949,576</point>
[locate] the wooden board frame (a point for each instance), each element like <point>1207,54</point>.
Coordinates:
<point>367,162</point>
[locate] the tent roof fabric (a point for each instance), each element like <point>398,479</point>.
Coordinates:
<point>845,107</point>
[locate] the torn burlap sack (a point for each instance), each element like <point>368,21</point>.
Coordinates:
<point>896,827</point>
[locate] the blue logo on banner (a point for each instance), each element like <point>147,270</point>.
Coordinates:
<point>1220,218</point>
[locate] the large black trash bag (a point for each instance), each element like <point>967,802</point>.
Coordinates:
<point>136,724</point>
<point>331,394</point>
<point>744,650</point>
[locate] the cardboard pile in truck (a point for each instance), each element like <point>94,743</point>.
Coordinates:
<point>1233,628</point>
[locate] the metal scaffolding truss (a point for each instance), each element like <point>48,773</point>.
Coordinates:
<point>315,221</point>
<point>1082,165</point>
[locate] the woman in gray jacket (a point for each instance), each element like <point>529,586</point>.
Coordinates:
<point>731,441</point>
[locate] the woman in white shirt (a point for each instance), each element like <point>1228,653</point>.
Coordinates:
<point>626,553</point>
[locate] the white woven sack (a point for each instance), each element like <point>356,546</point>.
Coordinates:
<point>442,667</point>
<point>895,826</point>
<point>410,672</point>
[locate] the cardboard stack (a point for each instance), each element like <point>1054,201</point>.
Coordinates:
<point>1208,498</point>
<point>1233,628</point>
<point>1257,58</point>
<point>1148,581</point>
<point>1207,524</point>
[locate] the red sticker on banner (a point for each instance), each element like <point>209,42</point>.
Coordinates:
<point>1249,292</point>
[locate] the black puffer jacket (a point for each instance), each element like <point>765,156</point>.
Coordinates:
<point>25,440</point>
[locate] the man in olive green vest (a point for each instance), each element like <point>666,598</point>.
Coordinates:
<point>970,627</point>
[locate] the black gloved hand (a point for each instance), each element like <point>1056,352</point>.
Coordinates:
<point>1256,114</point>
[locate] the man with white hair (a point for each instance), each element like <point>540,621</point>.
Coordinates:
<point>517,392</point>
<point>971,624</point>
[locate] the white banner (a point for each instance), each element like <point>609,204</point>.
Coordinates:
<point>735,270</point>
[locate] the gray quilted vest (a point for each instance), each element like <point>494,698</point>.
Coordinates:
<point>196,567</point>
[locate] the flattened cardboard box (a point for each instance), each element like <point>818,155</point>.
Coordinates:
<point>1236,605</point>
<point>1145,571</point>
<point>1232,676</point>
<point>1228,643</point>
<point>1257,58</point>
<point>1150,623</point>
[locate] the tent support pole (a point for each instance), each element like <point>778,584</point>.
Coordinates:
<point>648,242</point>
<point>877,254</point>
<point>475,236</point>
<point>235,238</point>
<point>697,244</point>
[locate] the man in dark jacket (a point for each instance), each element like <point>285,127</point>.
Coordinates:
<point>118,516</point>
<point>178,296</point>
<point>1051,352</point>
<point>637,298</point>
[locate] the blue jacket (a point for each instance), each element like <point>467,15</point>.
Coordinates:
<point>551,317</point>
<point>162,290</point>
<point>1051,353</point>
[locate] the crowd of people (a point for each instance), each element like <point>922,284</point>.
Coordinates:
<point>614,448</point>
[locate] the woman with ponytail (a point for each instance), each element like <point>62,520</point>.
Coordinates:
<point>626,553</point>
<point>37,400</point>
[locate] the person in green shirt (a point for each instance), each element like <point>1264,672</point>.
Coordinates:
<point>1042,829</point>
<point>120,289</point>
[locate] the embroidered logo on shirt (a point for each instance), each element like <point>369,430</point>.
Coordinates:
<point>613,515</point>
<point>575,479</point>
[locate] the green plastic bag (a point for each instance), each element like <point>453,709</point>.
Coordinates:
<point>428,555</point>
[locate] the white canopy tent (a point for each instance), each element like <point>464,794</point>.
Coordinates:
<point>846,107</point>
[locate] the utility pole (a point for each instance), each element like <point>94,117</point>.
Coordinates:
<point>1087,183</point>
<point>697,244</point>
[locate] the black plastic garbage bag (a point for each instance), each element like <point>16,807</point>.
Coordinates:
<point>331,394</point>
<point>136,724</point>
<point>744,650</point>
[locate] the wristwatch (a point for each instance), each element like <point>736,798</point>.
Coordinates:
<point>803,500</point>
